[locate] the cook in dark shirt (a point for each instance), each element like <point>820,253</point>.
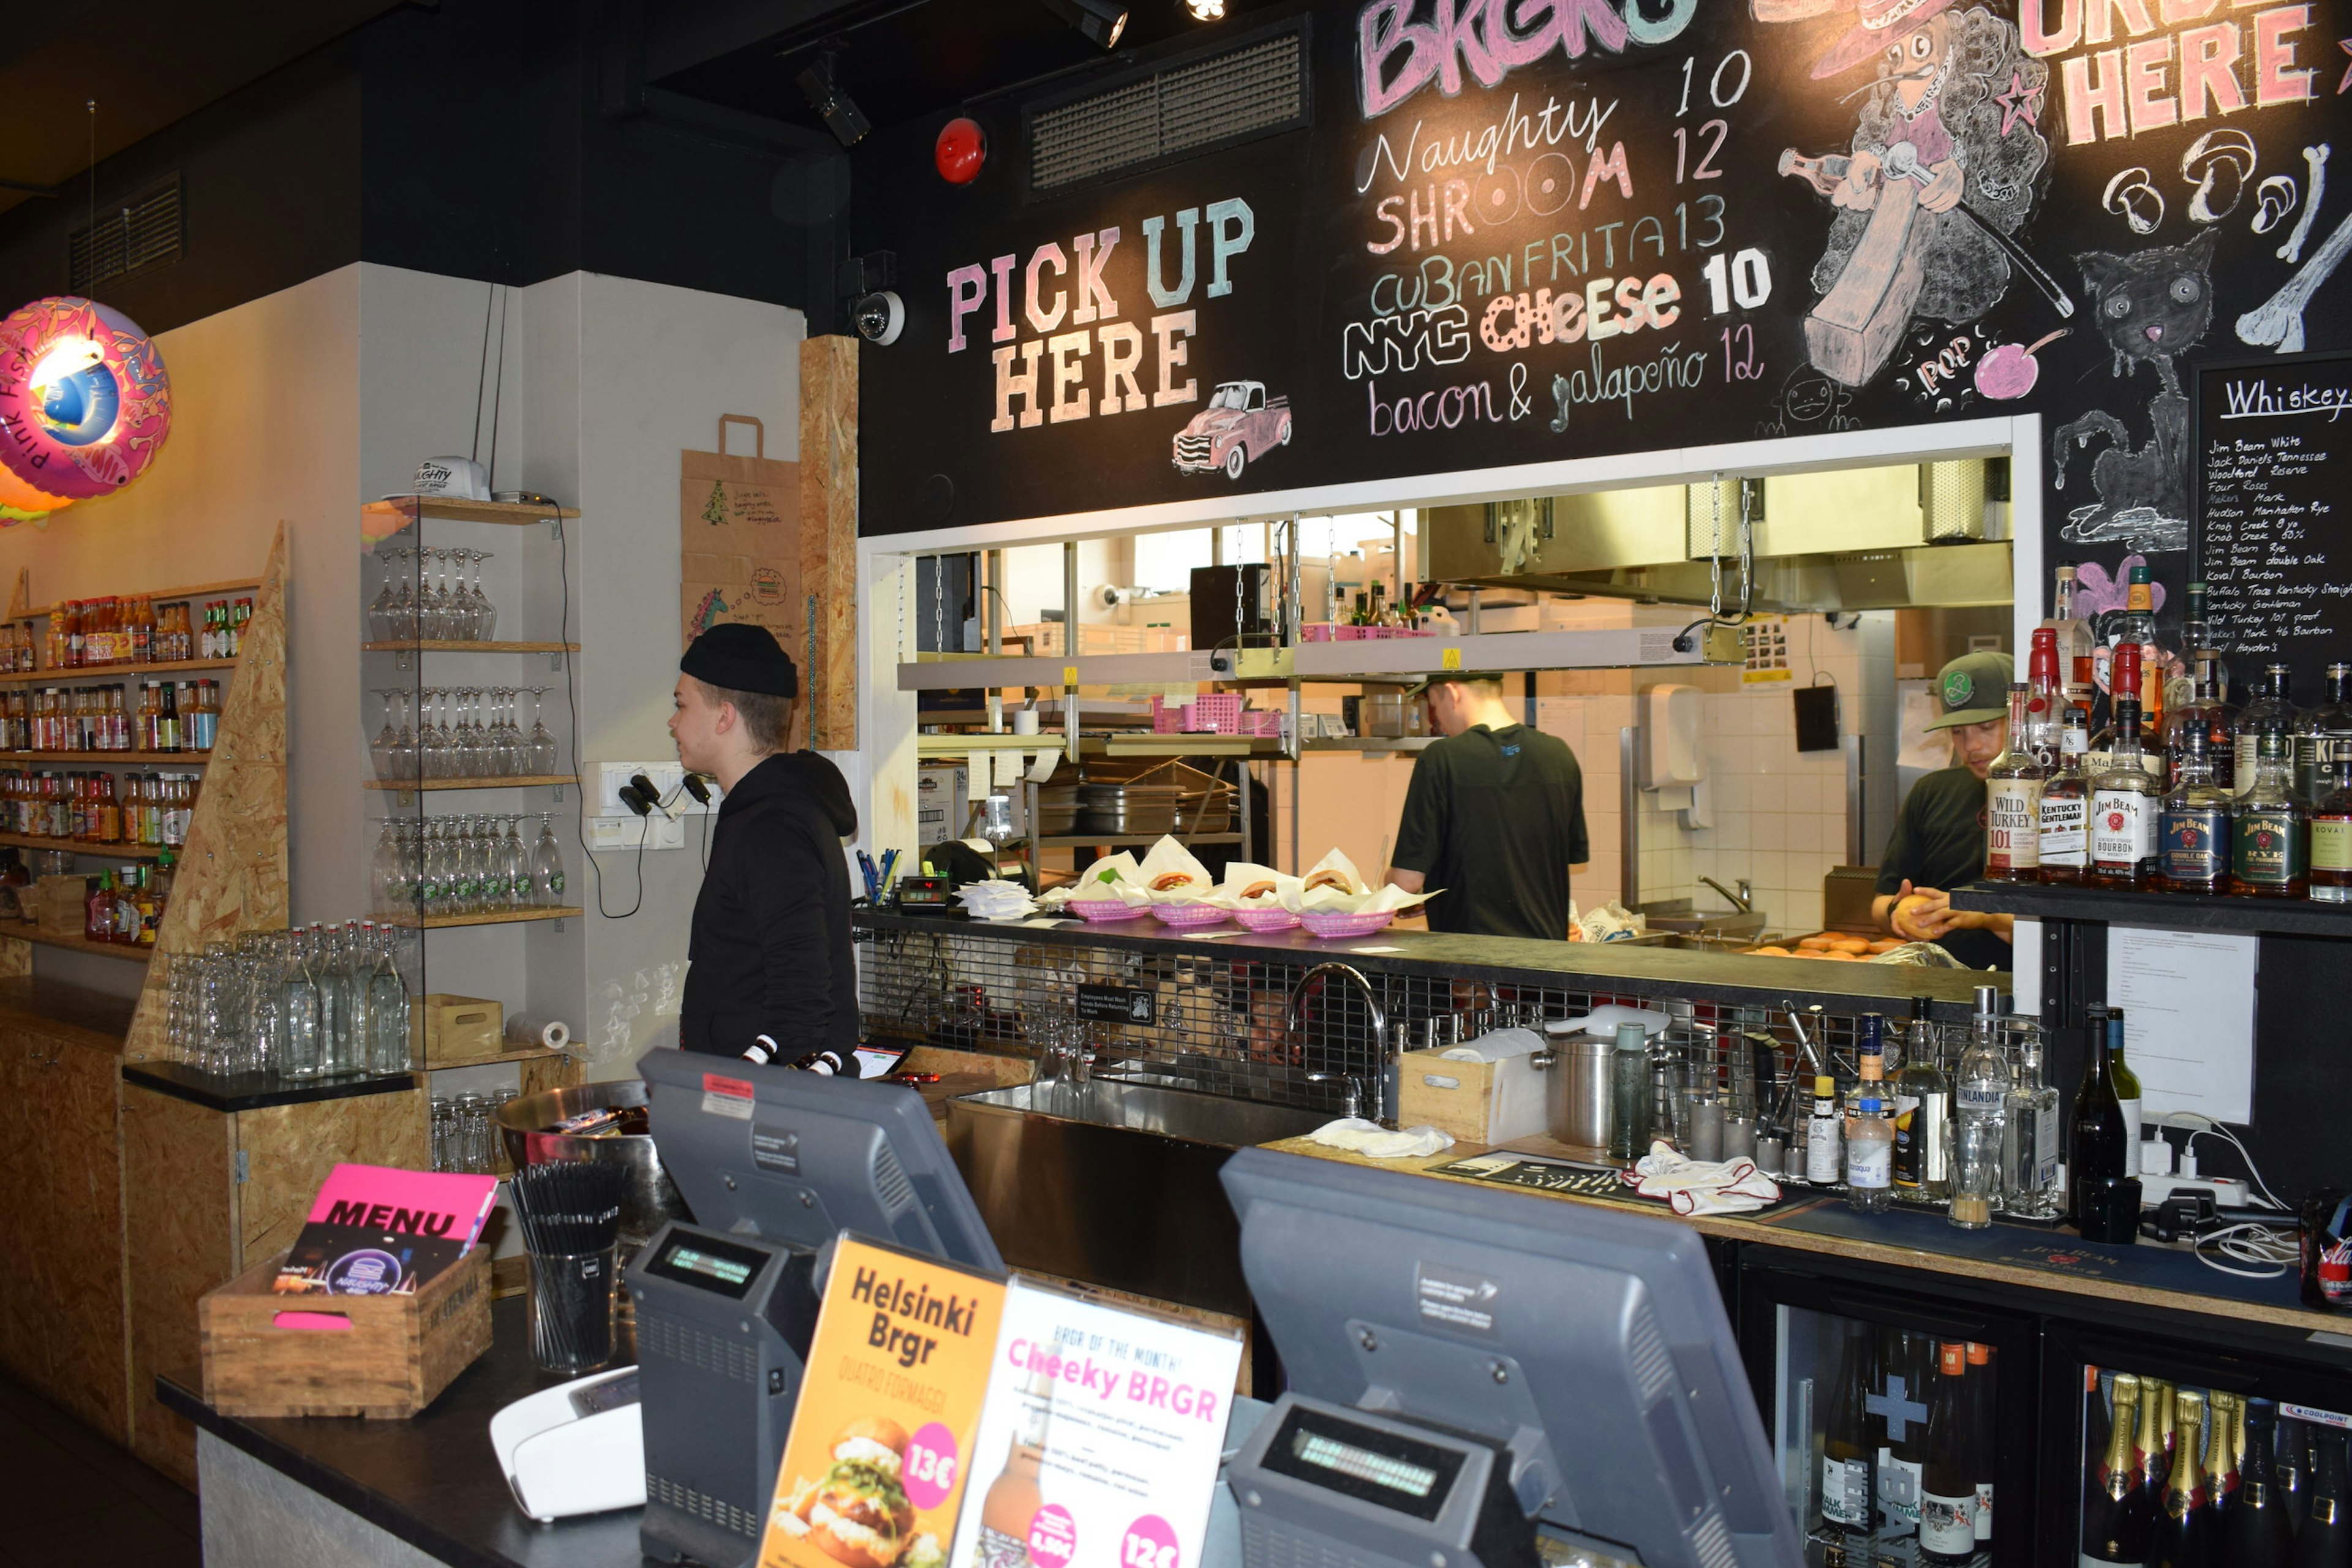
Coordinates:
<point>1939,842</point>
<point>1494,817</point>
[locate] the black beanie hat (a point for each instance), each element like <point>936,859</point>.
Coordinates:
<point>741,658</point>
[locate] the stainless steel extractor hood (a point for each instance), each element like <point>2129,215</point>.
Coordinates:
<point>1857,539</point>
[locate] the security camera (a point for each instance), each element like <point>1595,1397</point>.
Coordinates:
<point>879,317</point>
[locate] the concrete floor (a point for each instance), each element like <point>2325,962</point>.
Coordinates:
<point>72,1496</point>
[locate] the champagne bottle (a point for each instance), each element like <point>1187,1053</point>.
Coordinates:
<point>2291,1458</point>
<point>1847,1451</point>
<point>2116,1518</point>
<point>2179,1529</point>
<point>2213,1475</point>
<point>2327,1531</point>
<point>2154,1446</point>
<point>1948,1490</point>
<point>2325,1539</point>
<point>2256,1533</point>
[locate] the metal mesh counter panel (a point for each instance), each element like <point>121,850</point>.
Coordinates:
<point>1212,1016</point>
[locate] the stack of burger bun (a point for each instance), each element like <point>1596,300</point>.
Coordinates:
<point>1842,946</point>
<point>857,1512</point>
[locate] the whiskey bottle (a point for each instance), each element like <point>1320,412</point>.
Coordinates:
<point>2013,800</point>
<point>2194,837</point>
<point>2267,847</point>
<point>2125,807</point>
<point>2331,832</point>
<point>2066,803</point>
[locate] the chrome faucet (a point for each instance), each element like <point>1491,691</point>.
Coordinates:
<point>1293,1019</point>
<point>1743,901</point>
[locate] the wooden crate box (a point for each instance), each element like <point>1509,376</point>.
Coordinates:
<point>396,1357</point>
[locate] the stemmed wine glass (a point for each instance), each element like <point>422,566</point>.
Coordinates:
<point>393,750</point>
<point>481,615</point>
<point>382,614</point>
<point>541,760</point>
<point>433,737</point>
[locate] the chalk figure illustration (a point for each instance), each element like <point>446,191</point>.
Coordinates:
<point>2277,322</point>
<point>2151,307</point>
<point>1240,426</point>
<point>1943,171</point>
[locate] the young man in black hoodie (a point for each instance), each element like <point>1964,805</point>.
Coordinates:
<point>772,974</point>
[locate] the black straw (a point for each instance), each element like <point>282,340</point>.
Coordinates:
<point>569,1208</point>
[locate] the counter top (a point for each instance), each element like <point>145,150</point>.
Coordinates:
<point>2163,1278</point>
<point>1734,978</point>
<point>432,1480</point>
<point>97,1020</point>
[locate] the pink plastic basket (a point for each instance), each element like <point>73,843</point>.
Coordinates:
<point>1327,923</point>
<point>1275,918</point>
<point>1189,917</point>
<point>1103,910</point>
<point>1219,713</point>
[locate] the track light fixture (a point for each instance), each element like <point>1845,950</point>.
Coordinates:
<point>1102,21</point>
<point>1205,10</point>
<point>833,103</point>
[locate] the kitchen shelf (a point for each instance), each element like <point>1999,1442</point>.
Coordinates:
<point>440,645</point>
<point>1391,660</point>
<point>161,759</point>
<point>1129,840</point>
<point>129,954</point>
<point>115,673</point>
<point>84,847</point>
<point>1370,744</point>
<point>496,918</point>
<point>520,781</point>
<point>2174,912</point>
<point>452,510</point>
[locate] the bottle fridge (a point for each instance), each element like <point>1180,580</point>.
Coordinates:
<point>1892,1403</point>
<point>2077,1428</point>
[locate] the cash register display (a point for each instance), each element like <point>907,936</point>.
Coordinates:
<point>707,1263</point>
<point>1383,1469</point>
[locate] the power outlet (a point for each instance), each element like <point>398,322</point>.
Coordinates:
<point>624,833</point>
<point>663,776</point>
<point>2227,1190</point>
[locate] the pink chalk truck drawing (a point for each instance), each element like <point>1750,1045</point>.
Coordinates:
<point>1240,426</point>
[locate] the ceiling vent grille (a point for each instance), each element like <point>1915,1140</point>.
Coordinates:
<point>147,231</point>
<point>1186,107</point>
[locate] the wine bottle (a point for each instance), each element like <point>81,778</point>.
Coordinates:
<point>1981,1427</point>
<point>2116,1518</point>
<point>1948,1487</point>
<point>2325,1539</point>
<point>2126,1089</point>
<point>2255,1531</point>
<point>1847,1450</point>
<point>2099,1143</point>
<point>1910,1376</point>
<point>2291,1458</point>
<point>2180,1534</point>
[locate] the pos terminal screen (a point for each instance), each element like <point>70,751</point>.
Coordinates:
<point>708,1263</point>
<point>1372,1466</point>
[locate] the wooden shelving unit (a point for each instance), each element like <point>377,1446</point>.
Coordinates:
<point>84,847</point>
<point>159,758</point>
<point>159,596</point>
<point>123,951</point>
<point>414,507</point>
<point>496,918</point>
<point>527,781</point>
<point>440,645</point>
<point>110,674</point>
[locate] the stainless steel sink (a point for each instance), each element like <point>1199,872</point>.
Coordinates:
<point>1115,1184</point>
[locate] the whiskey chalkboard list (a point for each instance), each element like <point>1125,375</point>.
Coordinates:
<point>2273,458</point>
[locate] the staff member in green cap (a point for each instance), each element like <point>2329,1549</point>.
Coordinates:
<point>1939,840</point>
<point>1493,817</point>
<point>772,974</point>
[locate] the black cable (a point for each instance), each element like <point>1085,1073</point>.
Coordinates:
<point>572,704</point>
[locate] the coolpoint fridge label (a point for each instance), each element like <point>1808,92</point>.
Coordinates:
<point>1098,1443</point>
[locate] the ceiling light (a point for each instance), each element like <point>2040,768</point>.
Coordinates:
<point>1102,21</point>
<point>1206,10</point>
<point>833,103</point>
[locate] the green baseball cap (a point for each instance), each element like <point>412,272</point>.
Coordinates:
<point>1974,690</point>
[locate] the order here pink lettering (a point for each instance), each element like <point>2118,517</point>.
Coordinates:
<point>1106,1382</point>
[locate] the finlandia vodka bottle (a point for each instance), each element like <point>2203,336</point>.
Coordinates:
<point>2030,1138</point>
<point>1980,1103</point>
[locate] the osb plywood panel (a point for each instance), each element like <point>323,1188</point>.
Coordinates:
<point>23,1334</point>
<point>89,1340</point>
<point>290,1149</point>
<point>232,875</point>
<point>829,536</point>
<point>540,1073</point>
<point>180,1239</point>
<point>15,956</point>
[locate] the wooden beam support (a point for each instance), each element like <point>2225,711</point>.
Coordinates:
<point>828,464</point>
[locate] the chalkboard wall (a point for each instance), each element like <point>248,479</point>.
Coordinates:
<point>1521,230</point>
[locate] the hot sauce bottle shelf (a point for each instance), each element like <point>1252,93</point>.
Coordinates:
<point>2181,792</point>
<point>88,634</point>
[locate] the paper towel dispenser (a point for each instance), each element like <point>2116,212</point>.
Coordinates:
<point>1673,755</point>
